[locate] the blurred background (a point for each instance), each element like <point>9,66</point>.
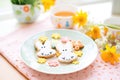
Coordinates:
<point>112,5</point>
<point>5,5</point>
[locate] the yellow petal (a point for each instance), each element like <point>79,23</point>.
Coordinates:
<point>47,4</point>
<point>56,36</point>
<point>113,49</point>
<point>43,38</point>
<point>78,53</point>
<point>105,31</point>
<point>80,18</point>
<point>110,55</point>
<point>75,62</point>
<point>41,60</point>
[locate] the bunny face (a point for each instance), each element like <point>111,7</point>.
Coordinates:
<point>46,53</point>
<point>45,50</point>
<point>64,48</point>
<point>67,58</point>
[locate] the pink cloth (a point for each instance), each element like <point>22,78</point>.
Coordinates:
<point>10,48</point>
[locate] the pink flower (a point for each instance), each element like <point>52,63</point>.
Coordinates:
<point>53,63</point>
<point>65,40</point>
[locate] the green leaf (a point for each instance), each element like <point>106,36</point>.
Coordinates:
<point>15,1</point>
<point>37,4</point>
<point>110,26</point>
<point>19,2</point>
<point>22,2</point>
<point>30,1</point>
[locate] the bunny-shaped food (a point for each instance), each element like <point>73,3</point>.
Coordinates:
<point>63,48</point>
<point>45,50</point>
<point>66,51</point>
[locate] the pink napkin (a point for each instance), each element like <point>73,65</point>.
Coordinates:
<point>10,48</point>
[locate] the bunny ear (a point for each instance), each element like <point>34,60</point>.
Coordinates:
<point>38,44</point>
<point>47,44</point>
<point>59,46</point>
<point>69,46</point>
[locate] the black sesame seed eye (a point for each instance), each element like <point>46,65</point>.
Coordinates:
<point>63,58</point>
<point>41,47</point>
<point>42,53</point>
<point>65,49</point>
<point>44,46</point>
<point>50,52</point>
<point>72,56</point>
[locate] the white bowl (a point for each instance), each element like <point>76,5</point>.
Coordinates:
<point>24,15</point>
<point>62,21</point>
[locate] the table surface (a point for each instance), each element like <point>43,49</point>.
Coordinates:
<point>97,13</point>
<point>6,68</point>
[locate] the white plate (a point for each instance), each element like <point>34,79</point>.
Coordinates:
<point>90,52</point>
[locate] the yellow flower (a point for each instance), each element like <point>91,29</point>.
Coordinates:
<point>110,55</point>
<point>56,36</point>
<point>47,4</point>
<point>80,18</point>
<point>75,62</point>
<point>57,54</point>
<point>43,38</point>
<point>94,33</point>
<point>105,31</point>
<point>41,60</point>
<point>112,37</point>
<point>78,53</point>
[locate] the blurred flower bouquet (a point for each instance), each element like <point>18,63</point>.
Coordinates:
<point>107,37</point>
<point>27,11</point>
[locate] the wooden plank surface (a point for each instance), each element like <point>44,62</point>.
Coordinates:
<point>7,72</point>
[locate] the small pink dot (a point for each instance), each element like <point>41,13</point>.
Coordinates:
<point>64,39</point>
